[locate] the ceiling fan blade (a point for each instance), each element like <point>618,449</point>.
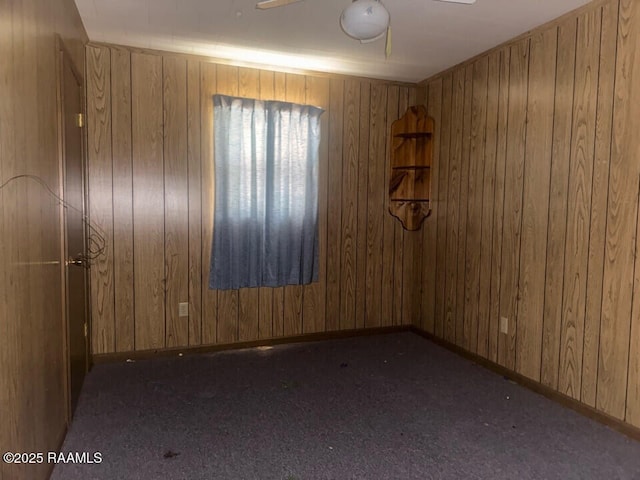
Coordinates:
<point>265,4</point>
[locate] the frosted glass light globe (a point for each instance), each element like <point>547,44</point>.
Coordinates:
<point>365,20</point>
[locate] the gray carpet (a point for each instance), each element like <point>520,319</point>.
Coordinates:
<point>382,407</point>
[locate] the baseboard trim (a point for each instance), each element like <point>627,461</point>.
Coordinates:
<point>564,400</point>
<point>267,342</point>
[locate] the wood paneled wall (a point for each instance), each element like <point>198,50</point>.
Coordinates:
<point>32,390</point>
<point>536,213</point>
<point>150,126</point>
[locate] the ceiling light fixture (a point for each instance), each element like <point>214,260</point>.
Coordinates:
<point>365,20</point>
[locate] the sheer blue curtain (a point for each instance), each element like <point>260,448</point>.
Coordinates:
<point>265,230</point>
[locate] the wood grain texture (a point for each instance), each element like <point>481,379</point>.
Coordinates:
<point>442,155</point>
<point>498,210</point>
<point>488,204</point>
<point>100,186</point>
<point>176,199</point>
<point>7,329</point>
<point>392,275</point>
<point>514,177</point>
<point>433,223</point>
<point>599,197</point>
<point>122,199</point>
<point>463,202</point>
<point>351,130</point>
<point>478,127</point>
<point>363,166</point>
<point>194,166</point>
<point>579,203</point>
<point>208,87</point>
<point>622,209</point>
<point>552,130</point>
<point>453,205</point>
<point>249,314</point>
<point>334,196</point>
<point>561,189</point>
<point>535,207</point>
<point>375,205</point>
<point>148,201</point>
<point>558,191</point>
<point>315,294</point>
<point>32,363</point>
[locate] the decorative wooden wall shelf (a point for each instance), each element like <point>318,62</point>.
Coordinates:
<point>410,179</point>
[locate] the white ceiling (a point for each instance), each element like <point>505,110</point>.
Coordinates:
<point>428,36</point>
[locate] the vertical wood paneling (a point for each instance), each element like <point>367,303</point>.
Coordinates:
<point>443,156</point>
<point>363,166</point>
<point>122,199</point>
<point>100,186</point>
<point>488,204</point>
<point>334,244</point>
<point>535,208</point>
<point>351,130</point>
<point>474,204</point>
<point>579,203</point>
<point>375,205</point>
<point>560,208</point>
<point>393,233</point>
<point>148,200</point>
<point>433,224</point>
<point>558,190</point>
<point>315,294</point>
<point>195,202</point>
<point>248,298</point>
<point>354,248</point>
<point>599,195</point>
<point>514,177</point>
<point>455,160</point>
<point>208,87</point>
<point>622,209</point>
<point>176,198</point>
<point>498,211</point>
<point>32,367</point>
<point>463,205</point>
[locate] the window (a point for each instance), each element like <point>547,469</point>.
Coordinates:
<point>265,230</point>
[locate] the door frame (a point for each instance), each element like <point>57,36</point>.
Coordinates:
<point>63,54</point>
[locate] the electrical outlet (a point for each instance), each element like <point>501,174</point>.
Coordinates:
<point>183,309</point>
<point>504,325</point>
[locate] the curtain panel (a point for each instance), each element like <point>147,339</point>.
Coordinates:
<point>265,229</point>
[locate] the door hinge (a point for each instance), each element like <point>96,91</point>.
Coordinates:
<point>80,120</point>
<point>86,330</point>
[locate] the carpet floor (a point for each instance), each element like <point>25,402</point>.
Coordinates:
<point>391,406</point>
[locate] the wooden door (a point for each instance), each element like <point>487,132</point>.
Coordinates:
<point>75,230</point>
